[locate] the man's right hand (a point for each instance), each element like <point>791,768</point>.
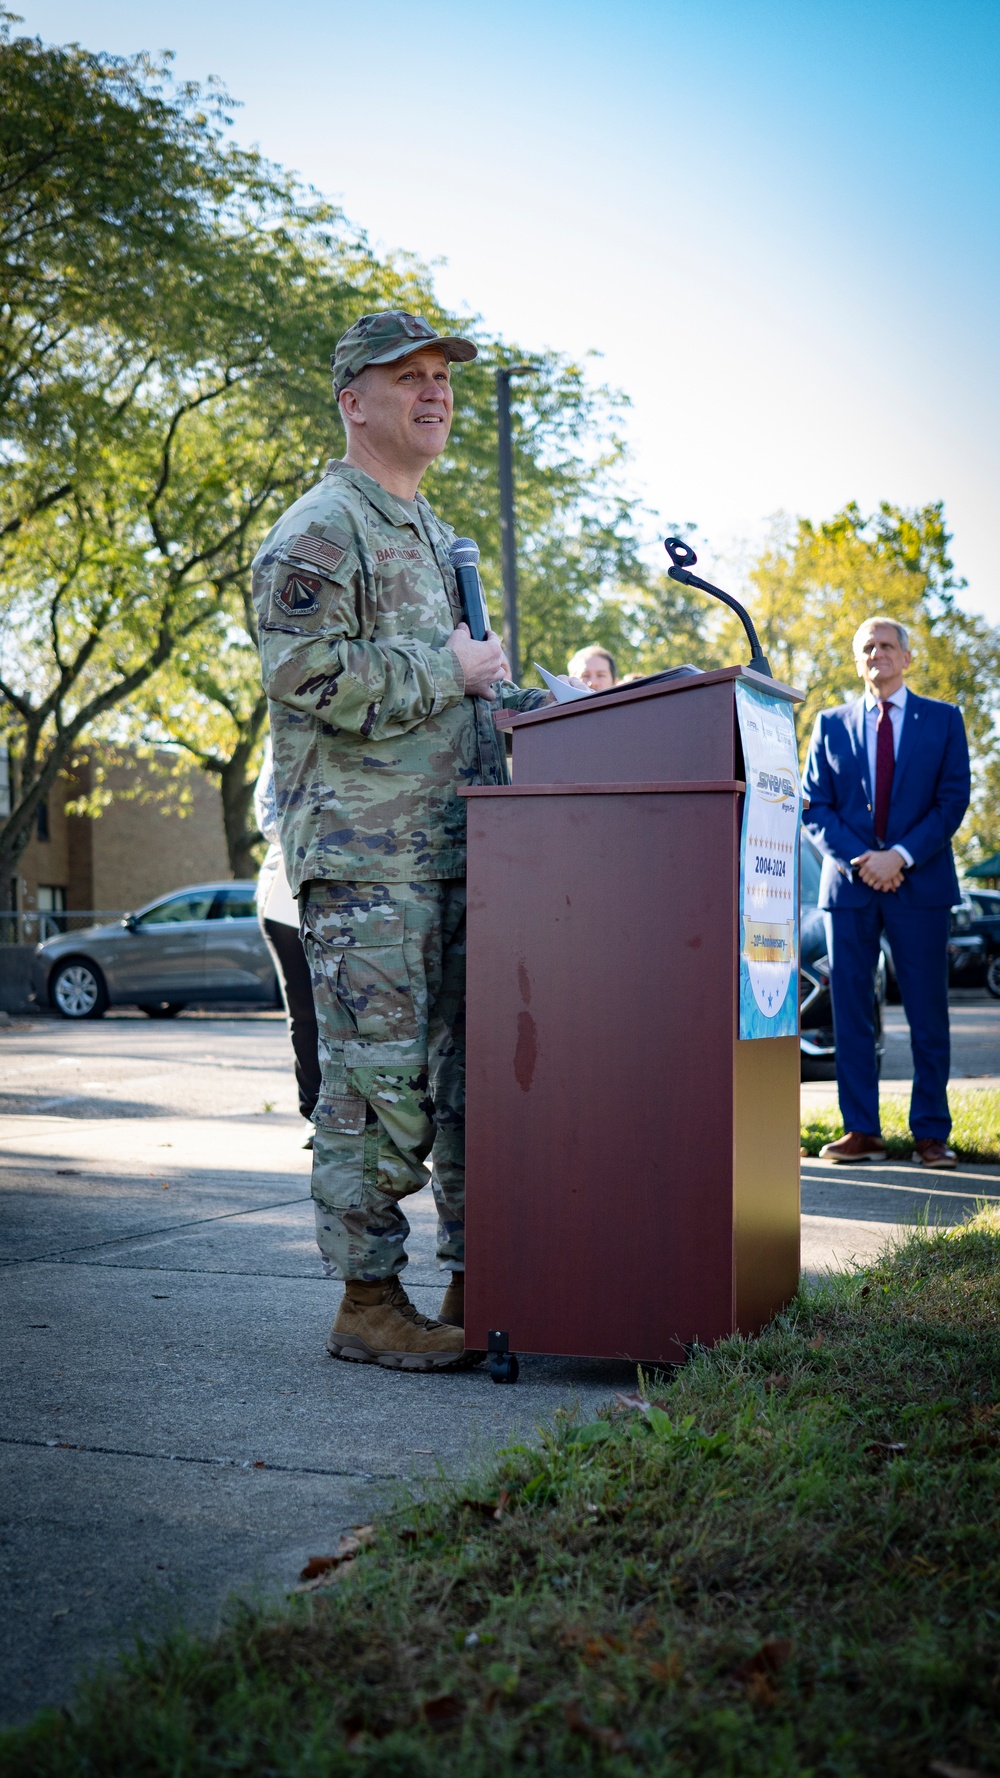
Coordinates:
<point>481,662</point>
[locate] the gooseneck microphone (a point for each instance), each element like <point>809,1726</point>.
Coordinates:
<point>683,559</point>
<point>464,557</point>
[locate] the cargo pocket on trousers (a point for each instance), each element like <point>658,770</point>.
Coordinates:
<point>339,1158</point>
<point>378,993</point>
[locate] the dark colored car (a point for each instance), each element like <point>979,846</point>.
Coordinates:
<point>973,945</point>
<point>984,923</point>
<point>199,944</point>
<point>815,1009</point>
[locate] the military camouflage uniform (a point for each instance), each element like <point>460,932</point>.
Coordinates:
<point>373,735</point>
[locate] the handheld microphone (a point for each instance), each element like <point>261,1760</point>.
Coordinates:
<point>464,557</point>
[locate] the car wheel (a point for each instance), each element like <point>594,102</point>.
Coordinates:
<point>993,975</point>
<point>77,990</point>
<point>164,1009</point>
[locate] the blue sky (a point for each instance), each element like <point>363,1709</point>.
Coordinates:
<point>777,223</point>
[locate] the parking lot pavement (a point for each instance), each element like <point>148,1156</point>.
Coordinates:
<point>174,1430</point>
<point>974,1017</point>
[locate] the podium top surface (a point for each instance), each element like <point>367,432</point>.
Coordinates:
<point>651,688</point>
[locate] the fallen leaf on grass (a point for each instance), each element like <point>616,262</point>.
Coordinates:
<point>317,1565</point>
<point>759,1673</point>
<point>490,1509</point>
<point>883,1450</point>
<point>638,1402</point>
<point>441,1712</point>
<point>761,1690</point>
<point>354,1734</point>
<point>611,1739</point>
<point>667,1672</point>
<point>594,1651</point>
<point>943,1768</point>
<point>779,1381</point>
<point>321,1571</point>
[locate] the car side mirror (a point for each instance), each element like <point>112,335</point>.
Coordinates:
<point>130,923</point>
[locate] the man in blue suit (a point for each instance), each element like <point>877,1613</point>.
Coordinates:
<point>887,782</point>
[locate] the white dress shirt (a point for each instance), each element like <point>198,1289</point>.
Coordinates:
<point>897,710</point>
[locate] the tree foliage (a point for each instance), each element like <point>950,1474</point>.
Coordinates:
<point>162,384</point>
<point>168,306</point>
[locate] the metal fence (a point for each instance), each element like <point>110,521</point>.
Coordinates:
<point>34,927</point>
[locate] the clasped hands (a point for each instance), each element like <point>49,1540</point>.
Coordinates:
<point>880,870</point>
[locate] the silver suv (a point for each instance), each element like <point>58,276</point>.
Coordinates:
<point>199,944</point>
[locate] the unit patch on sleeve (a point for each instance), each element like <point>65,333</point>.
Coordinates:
<point>299,596</point>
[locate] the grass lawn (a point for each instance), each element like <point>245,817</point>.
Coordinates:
<point>785,1562</point>
<point>975,1132</point>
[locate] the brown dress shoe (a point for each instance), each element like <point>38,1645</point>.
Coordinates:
<point>377,1324</point>
<point>452,1310</point>
<point>854,1147</point>
<point>929,1152</point>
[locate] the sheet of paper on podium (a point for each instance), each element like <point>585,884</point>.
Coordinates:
<point>563,693</point>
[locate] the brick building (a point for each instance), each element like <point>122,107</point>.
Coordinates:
<point>140,846</point>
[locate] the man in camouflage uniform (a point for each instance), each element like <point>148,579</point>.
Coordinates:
<point>381,708</point>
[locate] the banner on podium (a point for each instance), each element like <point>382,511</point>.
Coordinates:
<point>769,867</point>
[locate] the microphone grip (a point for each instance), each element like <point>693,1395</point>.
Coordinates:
<point>470,591</point>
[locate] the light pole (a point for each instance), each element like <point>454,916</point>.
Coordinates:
<point>508,548</point>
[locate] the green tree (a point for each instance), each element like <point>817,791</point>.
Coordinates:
<point>168,305</point>
<point>210,703</point>
<point>151,438</point>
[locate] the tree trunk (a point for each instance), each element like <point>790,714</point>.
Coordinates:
<point>15,831</point>
<point>242,833</point>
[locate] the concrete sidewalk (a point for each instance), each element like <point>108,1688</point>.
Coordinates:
<point>174,1430</point>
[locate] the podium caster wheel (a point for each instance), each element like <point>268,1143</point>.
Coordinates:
<point>504,1367</point>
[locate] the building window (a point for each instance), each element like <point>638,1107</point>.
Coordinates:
<point>51,908</point>
<point>42,821</point>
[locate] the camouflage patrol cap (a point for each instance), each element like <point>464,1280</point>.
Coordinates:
<point>382,338</point>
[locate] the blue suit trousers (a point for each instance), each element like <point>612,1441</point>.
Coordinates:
<point>919,940</point>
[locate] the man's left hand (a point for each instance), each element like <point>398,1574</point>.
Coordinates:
<point>880,870</point>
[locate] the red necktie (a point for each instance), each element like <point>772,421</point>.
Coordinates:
<point>885,765</point>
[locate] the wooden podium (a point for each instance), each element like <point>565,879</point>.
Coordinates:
<point>633,1168</point>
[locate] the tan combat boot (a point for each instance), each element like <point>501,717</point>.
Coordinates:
<point>452,1310</point>
<point>377,1324</point>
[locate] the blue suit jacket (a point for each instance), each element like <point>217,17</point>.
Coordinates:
<point>930,794</point>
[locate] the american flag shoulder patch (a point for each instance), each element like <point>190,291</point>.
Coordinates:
<point>323,555</point>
